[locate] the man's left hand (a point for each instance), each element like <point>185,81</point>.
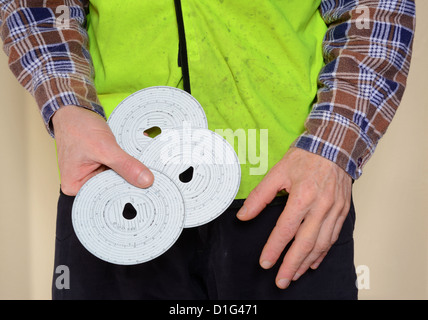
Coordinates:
<point>317,206</point>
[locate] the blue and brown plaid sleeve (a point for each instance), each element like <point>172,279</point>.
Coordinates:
<point>367,52</point>
<point>49,55</point>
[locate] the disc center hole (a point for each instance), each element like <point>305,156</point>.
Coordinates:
<point>187,175</point>
<point>152,132</point>
<point>129,212</point>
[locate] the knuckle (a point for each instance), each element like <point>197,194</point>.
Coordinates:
<point>256,195</point>
<point>306,245</point>
<point>127,164</point>
<point>327,202</point>
<point>103,151</point>
<point>346,207</point>
<point>323,247</point>
<point>285,230</point>
<point>340,205</point>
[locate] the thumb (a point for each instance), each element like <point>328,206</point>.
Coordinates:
<point>130,169</point>
<point>260,197</point>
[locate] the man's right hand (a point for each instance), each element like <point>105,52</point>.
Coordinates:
<point>86,146</point>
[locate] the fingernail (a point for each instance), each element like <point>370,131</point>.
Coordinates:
<point>266,264</point>
<point>315,265</point>
<point>296,276</point>
<point>283,283</point>
<point>242,212</point>
<point>145,179</point>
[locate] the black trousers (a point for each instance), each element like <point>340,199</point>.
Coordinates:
<point>218,261</point>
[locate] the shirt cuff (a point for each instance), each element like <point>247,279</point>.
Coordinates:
<point>63,90</point>
<point>337,139</point>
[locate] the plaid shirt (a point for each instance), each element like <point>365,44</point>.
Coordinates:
<point>367,52</point>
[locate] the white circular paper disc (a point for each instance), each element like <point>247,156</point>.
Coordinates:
<point>216,170</point>
<point>162,107</point>
<point>100,225</point>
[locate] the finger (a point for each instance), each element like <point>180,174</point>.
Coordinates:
<point>334,235</point>
<point>340,221</point>
<point>302,246</point>
<point>260,197</point>
<point>326,238</point>
<point>317,262</point>
<point>130,168</point>
<point>285,229</point>
<point>322,245</point>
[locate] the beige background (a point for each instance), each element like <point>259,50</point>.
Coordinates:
<point>391,197</point>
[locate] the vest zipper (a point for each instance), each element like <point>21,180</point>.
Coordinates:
<point>182,48</point>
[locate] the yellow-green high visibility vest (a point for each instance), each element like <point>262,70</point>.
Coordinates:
<point>252,65</point>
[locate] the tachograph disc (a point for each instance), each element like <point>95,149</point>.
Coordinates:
<point>208,162</point>
<point>126,225</point>
<point>163,107</point>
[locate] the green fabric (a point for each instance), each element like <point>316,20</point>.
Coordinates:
<point>253,64</point>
